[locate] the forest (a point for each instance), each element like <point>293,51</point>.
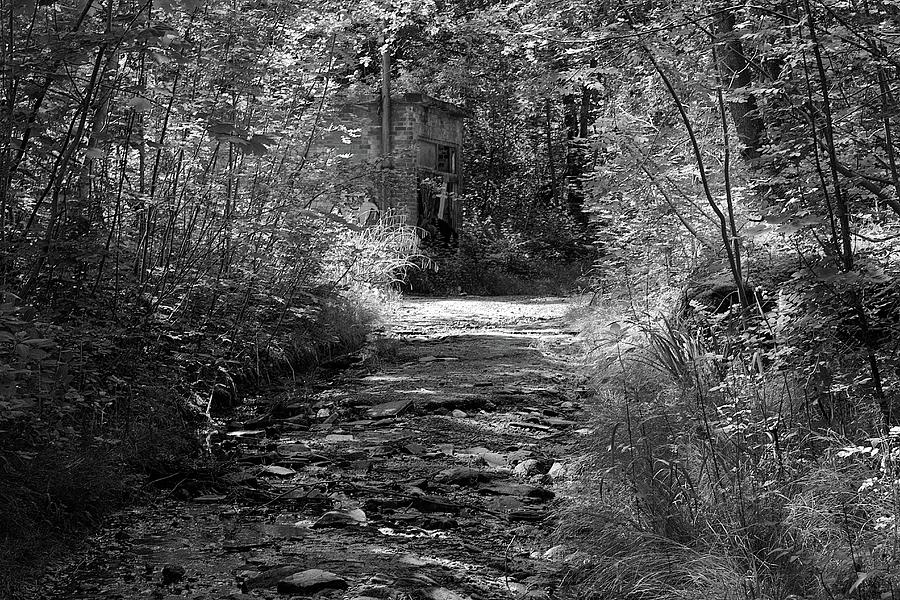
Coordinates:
<point>711,188</point>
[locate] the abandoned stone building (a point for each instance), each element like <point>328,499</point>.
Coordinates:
<point>421,174</point>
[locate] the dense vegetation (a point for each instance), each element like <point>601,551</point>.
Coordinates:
<point>169,238</point>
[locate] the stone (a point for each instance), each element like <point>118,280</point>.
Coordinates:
<point>311,581</point>
<point>517,489</point>
<point>436,522</point>
<point>241,433</point>
<point>464,476</point>
<point>431,504</point>
<point>528,467</point>
<point>559,423</point>
<point>172,574</point>
<point>389,409</point>
<point>277,471</point>
<point>210,498</point>
<point>556,471</point>
<point>269,578</point>
<point>557,552</point>
<point>336,438</point>
<point>335,518</point>
<point>441,593</point>
<point>531,426</point>
<point>459,414</point>
<point>415,448</point>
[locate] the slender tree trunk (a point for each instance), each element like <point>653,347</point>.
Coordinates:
<point>735,72</point>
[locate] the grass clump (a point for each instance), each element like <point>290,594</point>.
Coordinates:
<point>715,472</point>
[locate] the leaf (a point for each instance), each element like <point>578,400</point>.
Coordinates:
<point>860,577</point>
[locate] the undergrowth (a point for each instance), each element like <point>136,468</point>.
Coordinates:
<point>719,467</point>
<point>500,264</point>
<point>99,398</point>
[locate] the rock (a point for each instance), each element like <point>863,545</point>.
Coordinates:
<point>415,448</point>
<point>269,578</point>
<point>378,592</point>
<point>172,574</point>
<point>531,426</point>
<point>389,409</point>
<point>293,449</point>
<point>311,581</point>
<point>241,433</point>
<point>556,471</point>
<point>336,438</point>
<point>441,593</point>
<point>449,403</point>
<point>527,515</point>
<point>491,459</point>
<point>210,498</point>
<point>530,466</point>
<point>277,471</point>
<point>413,560</point>
<point>323,413</point>
<point>432,523</point>
<point>335,518</point>
<point>517,489</point>
<point>459,414</point>
<point>557,552</point>
<point>430,504</point>
<point>461,476</point>
<point>559,423</point>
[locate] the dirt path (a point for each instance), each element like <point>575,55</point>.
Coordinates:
<point>426,473</point>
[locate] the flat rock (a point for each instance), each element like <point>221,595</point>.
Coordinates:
<point>442,593</point>
<point>336,518</point>
<point>241,433</point>
<point>311,581</point>
<point>432,523</point>
<point>270,578</point>
<point>464,476</point>
<point>531,426</point>
<point>531,466</point>
<point>559,423</point>
<point>388,409</point>
<point>210,498</point>
<point>517,489</point>
<point>431,504</point>
<point>492,459</point>
<point>277,471</point>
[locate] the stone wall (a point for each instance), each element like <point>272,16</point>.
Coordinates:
<point>353,141</point>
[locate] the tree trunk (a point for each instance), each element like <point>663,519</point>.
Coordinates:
<point>734,70</point>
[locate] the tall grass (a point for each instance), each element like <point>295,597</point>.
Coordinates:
<point>711,474</point>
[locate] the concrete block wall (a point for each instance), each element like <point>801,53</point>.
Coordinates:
<point>356,131</point>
